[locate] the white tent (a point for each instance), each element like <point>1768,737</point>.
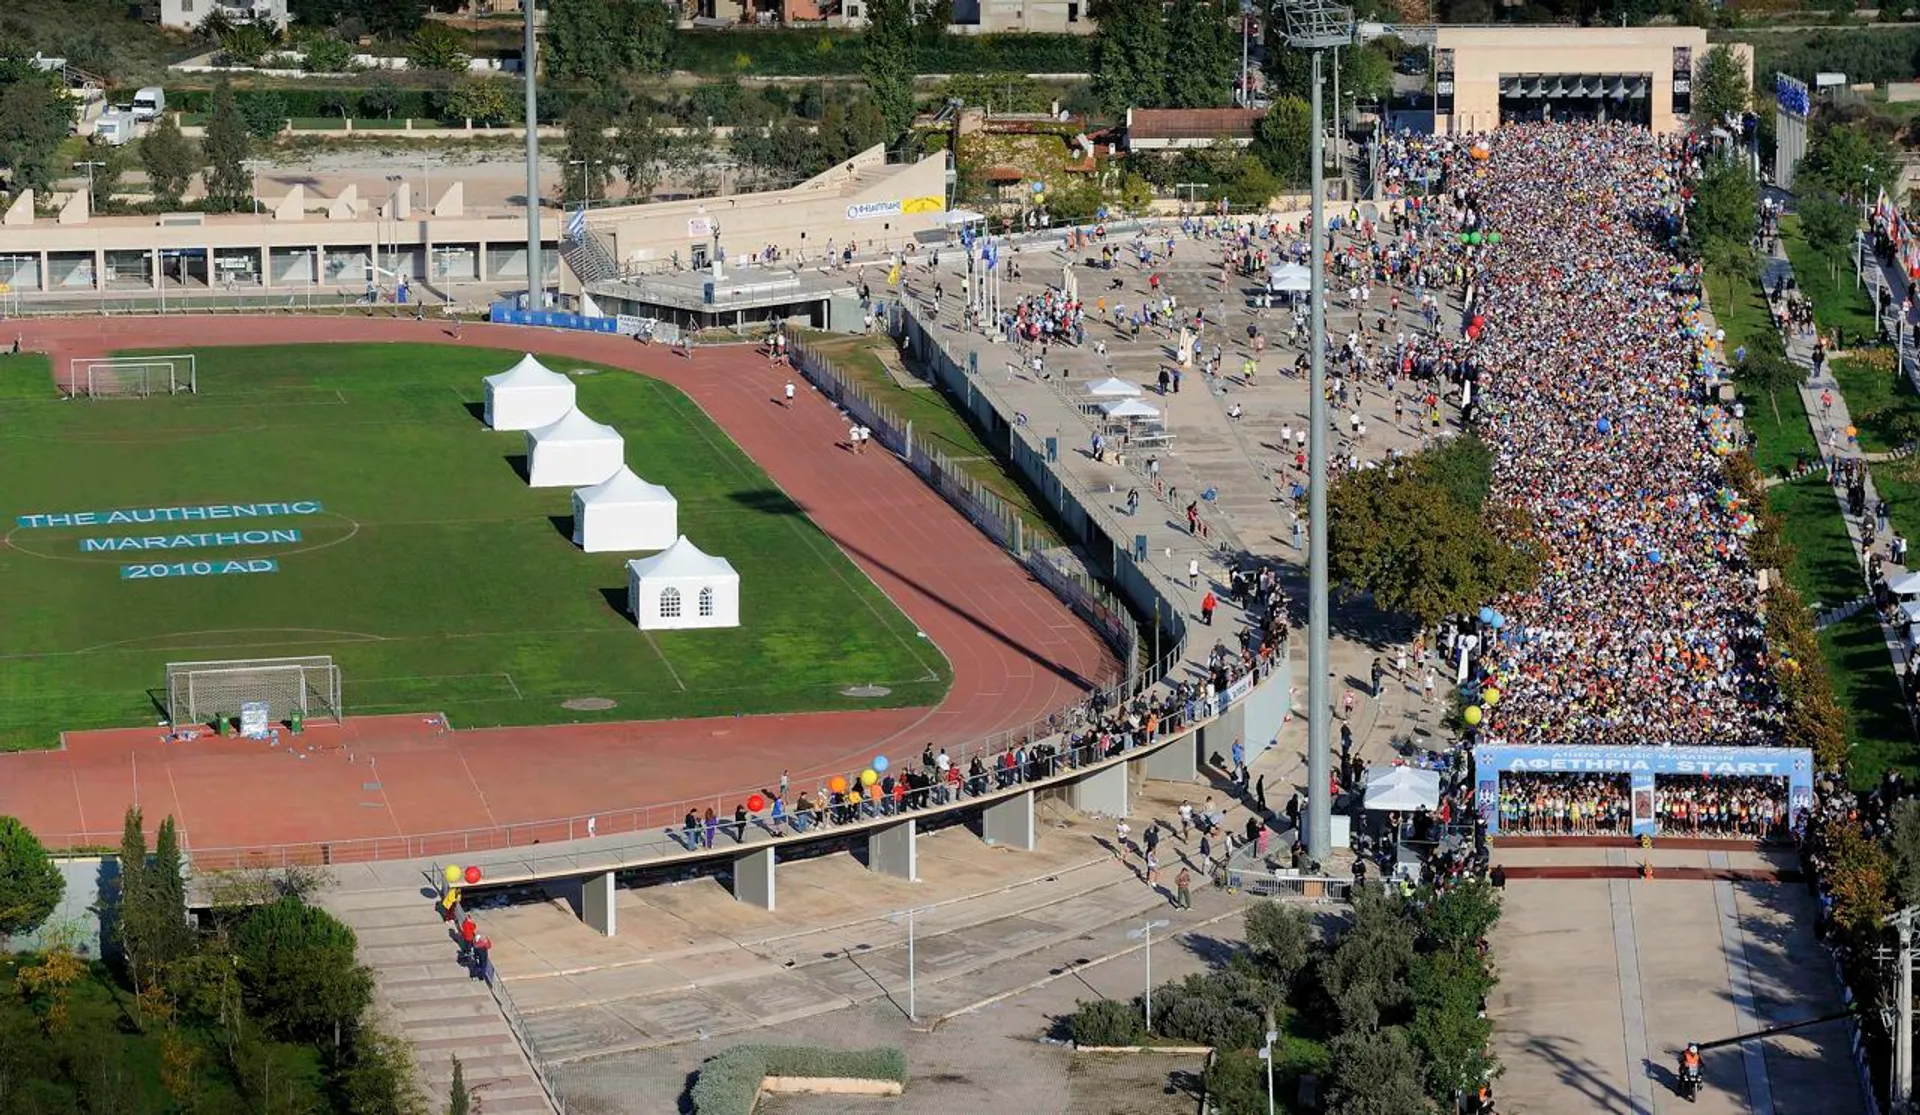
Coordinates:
<point>1112,387</point>
<point>680,587</point>
<point>624,512</point>
<point>1130,408</point>
<point>1911,610</point>
<point>527,396</point>
<point>1905,585</point>
<point>573,452</point>
<point>1290,277</point>
<point>1402,788</point>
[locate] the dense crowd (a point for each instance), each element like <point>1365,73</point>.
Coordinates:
<point>1642,628</point>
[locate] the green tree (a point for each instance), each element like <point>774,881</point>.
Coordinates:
<point>1462,465</point>
<point>588,146</point>
<point>1129,54</point>
<point>298,972</point>
<point>1828,224</point>
<point>170,160</point>
<point>265,112</point>
<point>482,100</point>
<point>580,47</point>
<point>1366,973</point>
<point>887,62</point>
<point>128,921</point>
<point>1847,159</point>
<point>246,44</point>
<point>1458,918</point>
<point>1769,373</point>
<point>1375,1072</point>
<point>457,1099</point>
<point>436,46</point>
<point>1726,203</point>
<point>1720,86</point>
<point>380,1077</point>
<point>327,54</point>
<point>227,146</point>
<point>646,35</point>
<point>1281,941</point>
<point>1285,140</point>
<point>30,885</point>
<point>33,122</point>
<point>638,149</point>
<point>1858,878</point>
<point>1447,1028</point>
<point>381,98</point>
<point>1202,58</point>
<point>1903,851</point>
<point>170,939</point>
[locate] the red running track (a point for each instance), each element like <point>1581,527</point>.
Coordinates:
<point>1017,652</point>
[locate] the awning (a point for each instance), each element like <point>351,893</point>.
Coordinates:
<point>1113,387</point>
<point>1402,788</point>
<point>1906,584</point>
<point>1566,87</point>
<point>961,217</point>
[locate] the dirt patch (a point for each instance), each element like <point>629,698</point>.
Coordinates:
<point>1133,1084</point>
<point>588,704</point>
<point>865,691</point>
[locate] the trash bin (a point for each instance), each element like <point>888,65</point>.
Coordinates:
<point>221,724</point>
<point>293,723</point>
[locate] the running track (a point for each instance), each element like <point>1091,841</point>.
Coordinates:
<point>1017,653</point>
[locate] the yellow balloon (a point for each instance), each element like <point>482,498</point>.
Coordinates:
<point>1472,715</point>
<point>868,778</point>
<point>453,873</point>
<point>1490,696</point>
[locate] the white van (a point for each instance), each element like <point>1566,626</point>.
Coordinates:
<point>149,103</point>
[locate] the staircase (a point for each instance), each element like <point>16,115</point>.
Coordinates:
<point>590,259</point>
<point>437,1005</point>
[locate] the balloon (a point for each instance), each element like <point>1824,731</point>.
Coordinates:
<point>755,803</point>
<point>1851,431</point>
<point>472,875</point>
<point>880,763</point>
<point>452,873</point>
<point>853,793</point>
<point>1603,425</point>
<point>1486,615</point>
<point>1464,240</point>
<point>1472,715</point>
<point>1493,238</point>
<point>1490,696</point>
<point>1653,556</point>
<point>868,778</point>
<point>837,784</point>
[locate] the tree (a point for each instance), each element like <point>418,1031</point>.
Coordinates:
<point>457,1099</point>
<point>1365,974</point>
<point>646,35</point>
<point>380,1080</point>
<point>1721,88</point>
<point>327,54</point>
<point>246,44</point>
<point>1447,1028</point>
<point>1281,940</point>
<point>482,100</point>
<point>227,146</point>
<point>1129,54</point>
<point>1847,159</point>
<point>171,936</point>
<point>33,122</point>
<point>1460,917</point>
<point>298,973</point>
<point>1201,59</point>
<point>579,45</point>
<point>1828,224</point>
<point>1374,1073</point>
<point>1726,203</point>
<point>1285,140</point>
<point>170,160</point>
<point>1903,852</point>
<point>129,891</point>
<point>30,885</point>
<point>435,46</point>
<point>887,62</point>
<point>47,983</point>
<point>1857,878</point>
<point>587,145</point>
<point>381,98</point>
<point>265,112</point>
<point>638,149</point>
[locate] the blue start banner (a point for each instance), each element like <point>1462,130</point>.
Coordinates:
<point>204,513</point>
<point>158,571</point>
<point>1641,766</point>
<point>189,541</point>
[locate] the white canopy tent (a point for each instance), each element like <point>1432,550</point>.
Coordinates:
<point>1113,387</point>
<point>1130,409</point>
<point>527,396</point>
<point>1904,585</point>
<point>573,452</point>
<point>1290,278</point>
<point>681,588</point>
<point>1402,788</point>
<point>1911,610</point>
<point>958,218</point>
<point>624,513</point>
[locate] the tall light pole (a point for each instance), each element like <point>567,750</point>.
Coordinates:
<point>1145,933</point>
<point>913,1012</point>
<point>253,175</point>
<point>1317,25</point>
<point>90,164</point>
<point>1266,1054</point>
<point>536,274</point>
<point>1902,1083</point>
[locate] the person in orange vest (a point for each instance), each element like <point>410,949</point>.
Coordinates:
<point>1207,604</point>
<point>468,931</point>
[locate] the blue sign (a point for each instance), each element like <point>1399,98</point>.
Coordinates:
<point>203,513</point>
<point>162,571</point>
<point>503,314</point>
<point>188,541</point>
<point>1641,766</point>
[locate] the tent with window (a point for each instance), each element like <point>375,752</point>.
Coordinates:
<point>624,512</point>
<point>681,588</point>
<point>573,452</point>
<point>527,396</point>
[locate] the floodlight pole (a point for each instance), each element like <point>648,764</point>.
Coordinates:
<point>536,274</point>
<point>1319,694</point>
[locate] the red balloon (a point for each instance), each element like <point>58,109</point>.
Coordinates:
<point>473,875</point>
<point>755,803</point>
<point>468,930</point>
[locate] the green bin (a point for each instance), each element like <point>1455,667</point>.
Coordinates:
<point>294,722</point>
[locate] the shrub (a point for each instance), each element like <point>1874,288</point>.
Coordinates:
<point>1225,1009</point>
<point>1106,1022</point>
<point>729,1083</point>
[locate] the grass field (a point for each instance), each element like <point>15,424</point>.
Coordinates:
<point>435,577</point>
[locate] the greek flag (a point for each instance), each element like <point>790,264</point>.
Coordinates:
<point>991,253</point>
<point>577,224</point>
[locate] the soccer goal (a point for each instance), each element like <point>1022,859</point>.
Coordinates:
<point>131,377</point>
<point>197,692</point>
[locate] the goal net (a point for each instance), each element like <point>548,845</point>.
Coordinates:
<point>197,692</point>
<point>109,377</point>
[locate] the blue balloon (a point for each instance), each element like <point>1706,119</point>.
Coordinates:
<point>880,764</point>
<point>1486,615</point>
<point>1604,426</point>
<point>1653,556</point>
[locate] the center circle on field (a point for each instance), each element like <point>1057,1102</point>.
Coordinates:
<point>134,557</point>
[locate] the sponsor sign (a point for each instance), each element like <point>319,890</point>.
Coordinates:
<point>868,210</point>
<point>1642,766</point>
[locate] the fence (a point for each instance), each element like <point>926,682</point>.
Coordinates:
<point>523,1039</point>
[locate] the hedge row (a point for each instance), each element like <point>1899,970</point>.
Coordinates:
<point>810,52</point>
<point>414,104</point>
<point>729,1083</point>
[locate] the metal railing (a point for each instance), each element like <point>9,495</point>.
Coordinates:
<point>518,1027</point>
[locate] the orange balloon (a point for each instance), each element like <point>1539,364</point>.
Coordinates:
<point>837,784</point>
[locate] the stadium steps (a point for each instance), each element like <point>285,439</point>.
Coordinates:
<point>428,998</point>
<point>589,258</point>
